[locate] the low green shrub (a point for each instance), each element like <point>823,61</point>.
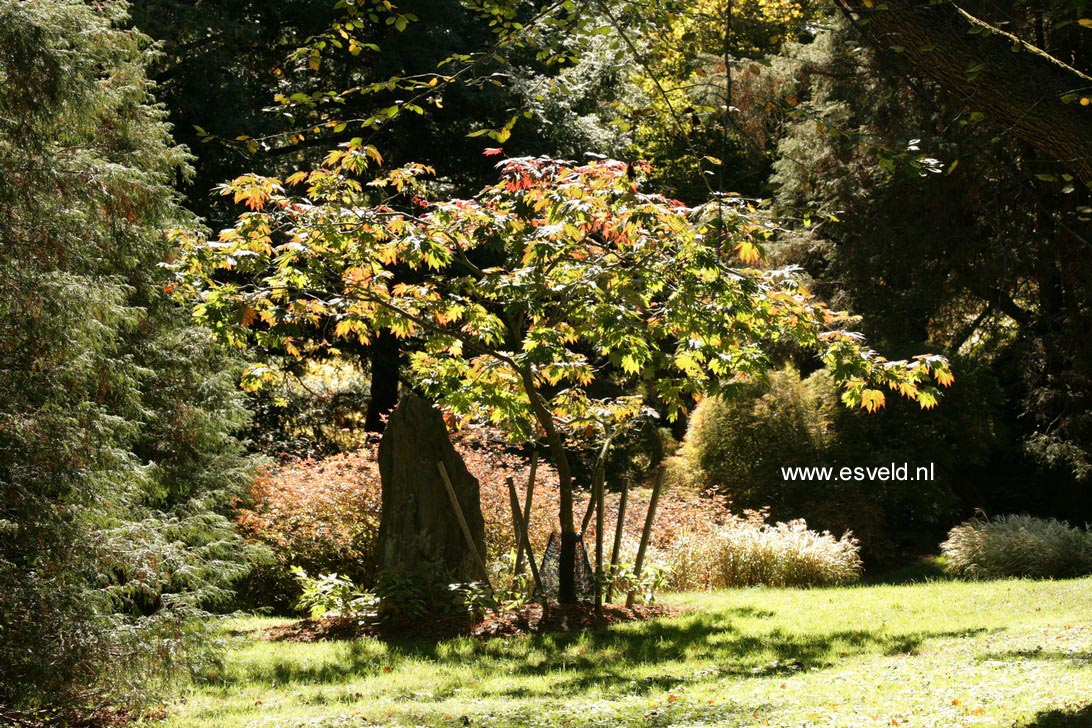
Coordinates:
<point>739,443</point>
<point>654,578</point>
<point>333,595</point>
<point>1018,546</point>
<point>748,552</point>
<point>475,597</point>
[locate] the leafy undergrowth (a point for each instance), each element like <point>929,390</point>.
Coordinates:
<point>530,619</point>
<point>1002,653</point>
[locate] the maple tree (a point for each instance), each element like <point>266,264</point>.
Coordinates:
<point>555,276</point>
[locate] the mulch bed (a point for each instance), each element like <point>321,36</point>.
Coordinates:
<point>531,619</point>
<point>102,718</point>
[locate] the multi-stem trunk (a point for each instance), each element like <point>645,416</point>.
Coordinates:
<point>569,537</point>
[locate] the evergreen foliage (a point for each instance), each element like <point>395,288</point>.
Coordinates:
<point>116,458</point>
<point>738,445</point>
<point>944,234</point>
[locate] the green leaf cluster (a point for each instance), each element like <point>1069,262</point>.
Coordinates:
<point>527,293</point>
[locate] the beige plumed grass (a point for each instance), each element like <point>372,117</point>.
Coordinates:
<point>1018,546</point>
<point>748,552</point>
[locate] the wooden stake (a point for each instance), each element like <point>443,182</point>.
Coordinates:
<point>599,482</point>
<point>524,534</point>
<point>646,533</point>
<point>462,524</point>
<point>517,529</point>
<point>527,512</point>
<point>616,549</point>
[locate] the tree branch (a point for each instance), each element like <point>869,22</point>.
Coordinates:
<point>1019,88</point>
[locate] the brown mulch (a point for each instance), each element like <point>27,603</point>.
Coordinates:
<point>101,718</point>
<point>531,619</point>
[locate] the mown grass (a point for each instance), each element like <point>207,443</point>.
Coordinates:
<point>940,653</point>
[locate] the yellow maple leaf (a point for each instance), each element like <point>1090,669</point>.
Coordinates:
<point>749,252</point>
<point>873,399</point>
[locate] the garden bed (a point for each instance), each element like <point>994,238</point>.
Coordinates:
<point>530,619</point>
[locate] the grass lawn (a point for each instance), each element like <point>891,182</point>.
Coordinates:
<point>948,653</point>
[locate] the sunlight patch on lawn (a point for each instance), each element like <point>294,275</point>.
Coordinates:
<point>941,654</point>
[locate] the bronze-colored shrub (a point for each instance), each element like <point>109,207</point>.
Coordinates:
<point>323,515</point>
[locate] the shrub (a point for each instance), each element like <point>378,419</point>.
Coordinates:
<point>1018,546</point>
<point>322,516</point>
<point>697,543</point>
<point>737,446</point>
<point>748,551</point>
<point>739,443</point>
<point>491,461</point>
<point>334,595</point>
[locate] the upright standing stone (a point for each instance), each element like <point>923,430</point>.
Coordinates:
<point>418,526</point>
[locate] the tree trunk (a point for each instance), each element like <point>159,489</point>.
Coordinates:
<point>419,528</point>
<point>385,359</point>
<point>1018,87</point>
<point>566,579</point>
<point>520,550</point>
<point>646,533</point>
<point>616,549</point>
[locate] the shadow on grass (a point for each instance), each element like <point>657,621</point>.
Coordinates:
<point>1078,658</point>
<point>632,658</point>
<point>919,572</point>
<point>1076,717</point>
<point>715,647</point>
<point>356,661</point>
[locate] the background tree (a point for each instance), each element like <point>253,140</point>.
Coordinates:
<point>116,455</point>
<point>947,235</point>
<point>294,79</point>
<point>1013,81</point>
<point>708,111</point>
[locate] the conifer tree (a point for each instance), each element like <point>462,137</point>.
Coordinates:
<point>116,455</point>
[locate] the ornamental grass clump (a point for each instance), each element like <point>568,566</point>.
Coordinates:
<point>749,552</point>
<point>1018,545</point>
